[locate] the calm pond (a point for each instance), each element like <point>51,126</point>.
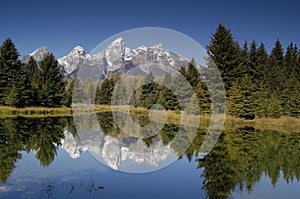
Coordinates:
<point>49,158</point>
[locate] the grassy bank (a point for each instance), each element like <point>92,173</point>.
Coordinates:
<point>6,111</point>
<point>283,124</point>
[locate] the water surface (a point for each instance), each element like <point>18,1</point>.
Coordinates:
<point>48,158</point>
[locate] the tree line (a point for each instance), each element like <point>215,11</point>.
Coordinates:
<point>42,135</point>
<point>257,83</point>
<point>30,84</point>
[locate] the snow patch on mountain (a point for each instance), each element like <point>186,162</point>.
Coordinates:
<point>113,151</point>
<point>115,58</point>
<point>73,60</point>
<point>38,55</point>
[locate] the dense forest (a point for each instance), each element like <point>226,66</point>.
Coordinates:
<point>30,84</point>
<point>258,83</point>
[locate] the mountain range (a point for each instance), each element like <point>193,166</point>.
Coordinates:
<point>117,152</point>
<point>115,58</point>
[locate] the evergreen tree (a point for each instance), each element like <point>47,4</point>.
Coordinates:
<point>9,68</point>
<point>51,82</point>
<point>245,55</point>
<point>290,60</point>
<point>257,60</point>
<point>225,53</point>
<point>245,67</point>
<point>12,99</point>
<point>31,84</point>
<point>167,98</point>
<point>289,96</point>
<point>297,66</point>
<point>277,52</point>
<point>242,99</point>
<point>183,90</point>
<point>104,91</point>
<point>21,94</point>
<point>262,55</point>
<point>276,66</point>
<point>150,92</point>
<point>191,74</point>
<point>290,100</point>
<point>203,97</point>
<point>193,106</point>
<point>253,54</point>
<point>268,105</point>
<point>254,64</point>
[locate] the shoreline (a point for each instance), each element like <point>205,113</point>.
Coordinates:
<point>283,124</point>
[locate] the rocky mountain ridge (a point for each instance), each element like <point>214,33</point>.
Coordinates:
<point>115,58</point>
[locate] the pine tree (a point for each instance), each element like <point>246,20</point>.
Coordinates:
<point>253,54</point>
<point>245,67</point>
<point>30,95</point>
<point>245,55</point>
<point>225,53</point>
<point>51,82</point>
<point>290,60</point>
<point>254,64</point>
<point>192,75</point>
<point>203,97</point>
<point>214,87</point>
<point>104,92</point>
<point>9,68</point>
<point>262,55</point>
<point>277,52</point>
<point>257,62</point>
<point>167,98</point>
<point>150,92</point>
<point>290,97</point>
<point>242,99</point>
<point>182,89</point>
<point>297,65</point>
<point>193,106</point>
<point>12,98</point>
<point>276,66</point>
<point>26,93</point>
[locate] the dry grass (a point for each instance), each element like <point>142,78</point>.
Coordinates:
<point>283,124</point>
<point>34,111</point>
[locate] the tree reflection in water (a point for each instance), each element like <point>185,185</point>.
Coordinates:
<point>239,159</point>
<point>41,135</point>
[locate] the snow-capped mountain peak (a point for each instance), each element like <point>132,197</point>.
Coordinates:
<point>115,52</point>
<point>72,61</point>
<point>78,50</point>
<point>115,151</point>
<point>115,58</point>
<point>38,55</point>
<point>40,51</point>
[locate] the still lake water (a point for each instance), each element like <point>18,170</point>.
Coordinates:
<point>47,158</point>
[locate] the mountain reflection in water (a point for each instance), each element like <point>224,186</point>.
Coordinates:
<point>238,162</point>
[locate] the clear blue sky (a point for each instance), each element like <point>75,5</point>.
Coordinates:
<point>61,25</point>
